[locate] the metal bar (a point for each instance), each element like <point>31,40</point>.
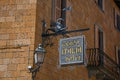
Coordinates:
<point>64,32</point>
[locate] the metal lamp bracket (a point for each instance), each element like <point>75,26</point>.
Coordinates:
<point>45,35</point>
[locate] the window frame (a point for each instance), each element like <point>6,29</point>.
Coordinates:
<point>57,6</point>
<point>99,40</point>
<point>98,29</point>
<point>65,15</point>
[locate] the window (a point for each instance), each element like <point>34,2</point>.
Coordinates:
<point>100,4</point>
<point>59,19</point>
<point>118,56</point>
<point>99,41</point>
<point>57,12</point>
<point>58,9</point>
<point>98,37</point>
<point>117,20</point>
<point>63,13</point>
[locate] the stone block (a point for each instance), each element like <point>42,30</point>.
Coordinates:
<point>9,55</point>
<point>25,73</point>
<point>11,74</point>
<point>12,2</point>
<point>22,67</point>
<point>10,19</point>
<point>3,67</point>
<point>4,36</point>
<point>6,61</point>
<point>22,1</point>
<point>22,78</point>
<point>1,61</point>
<point>2,74</point>
<point>2,19</point>
<point>18,60</point>
<point>2,54</point>
<point>4,2</point>
<point>22,42</point>
<point>12,67</point>
<point>33,1</point>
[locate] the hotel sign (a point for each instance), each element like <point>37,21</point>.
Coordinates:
<point>72,50</point>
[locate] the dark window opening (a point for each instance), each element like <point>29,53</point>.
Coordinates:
<point>100,36</point>
<point>119,59</point>
<point>100,45</point>
<point>118,22</point>
<point>60,14</point>
<point>58,20</point>
<point>117,49</point>
<point>60,4</point>
<point>100,4</point>
<point>63,13</point>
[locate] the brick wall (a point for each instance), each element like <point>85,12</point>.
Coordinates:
<point>20,30</point>
<point>84,14</point>
<point>17,28</point>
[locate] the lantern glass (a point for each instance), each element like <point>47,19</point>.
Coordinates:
<point>39,55</point>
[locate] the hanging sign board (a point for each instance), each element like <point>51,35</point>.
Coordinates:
<point>72,50</point>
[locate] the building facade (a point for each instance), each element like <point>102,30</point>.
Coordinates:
<point>21,27</point>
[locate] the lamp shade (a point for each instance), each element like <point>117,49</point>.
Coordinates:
<point>39,55</point>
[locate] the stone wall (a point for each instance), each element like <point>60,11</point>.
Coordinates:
<point>17,28</point>
<point>20,33</point>
<point>84,14</point>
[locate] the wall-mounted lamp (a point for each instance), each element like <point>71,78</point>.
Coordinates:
<point>39,55</point>
<point>57,29</point>
<point>39,59</point>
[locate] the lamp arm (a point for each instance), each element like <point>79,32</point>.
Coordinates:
<point>35,69</point>
<point>64,32</point>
